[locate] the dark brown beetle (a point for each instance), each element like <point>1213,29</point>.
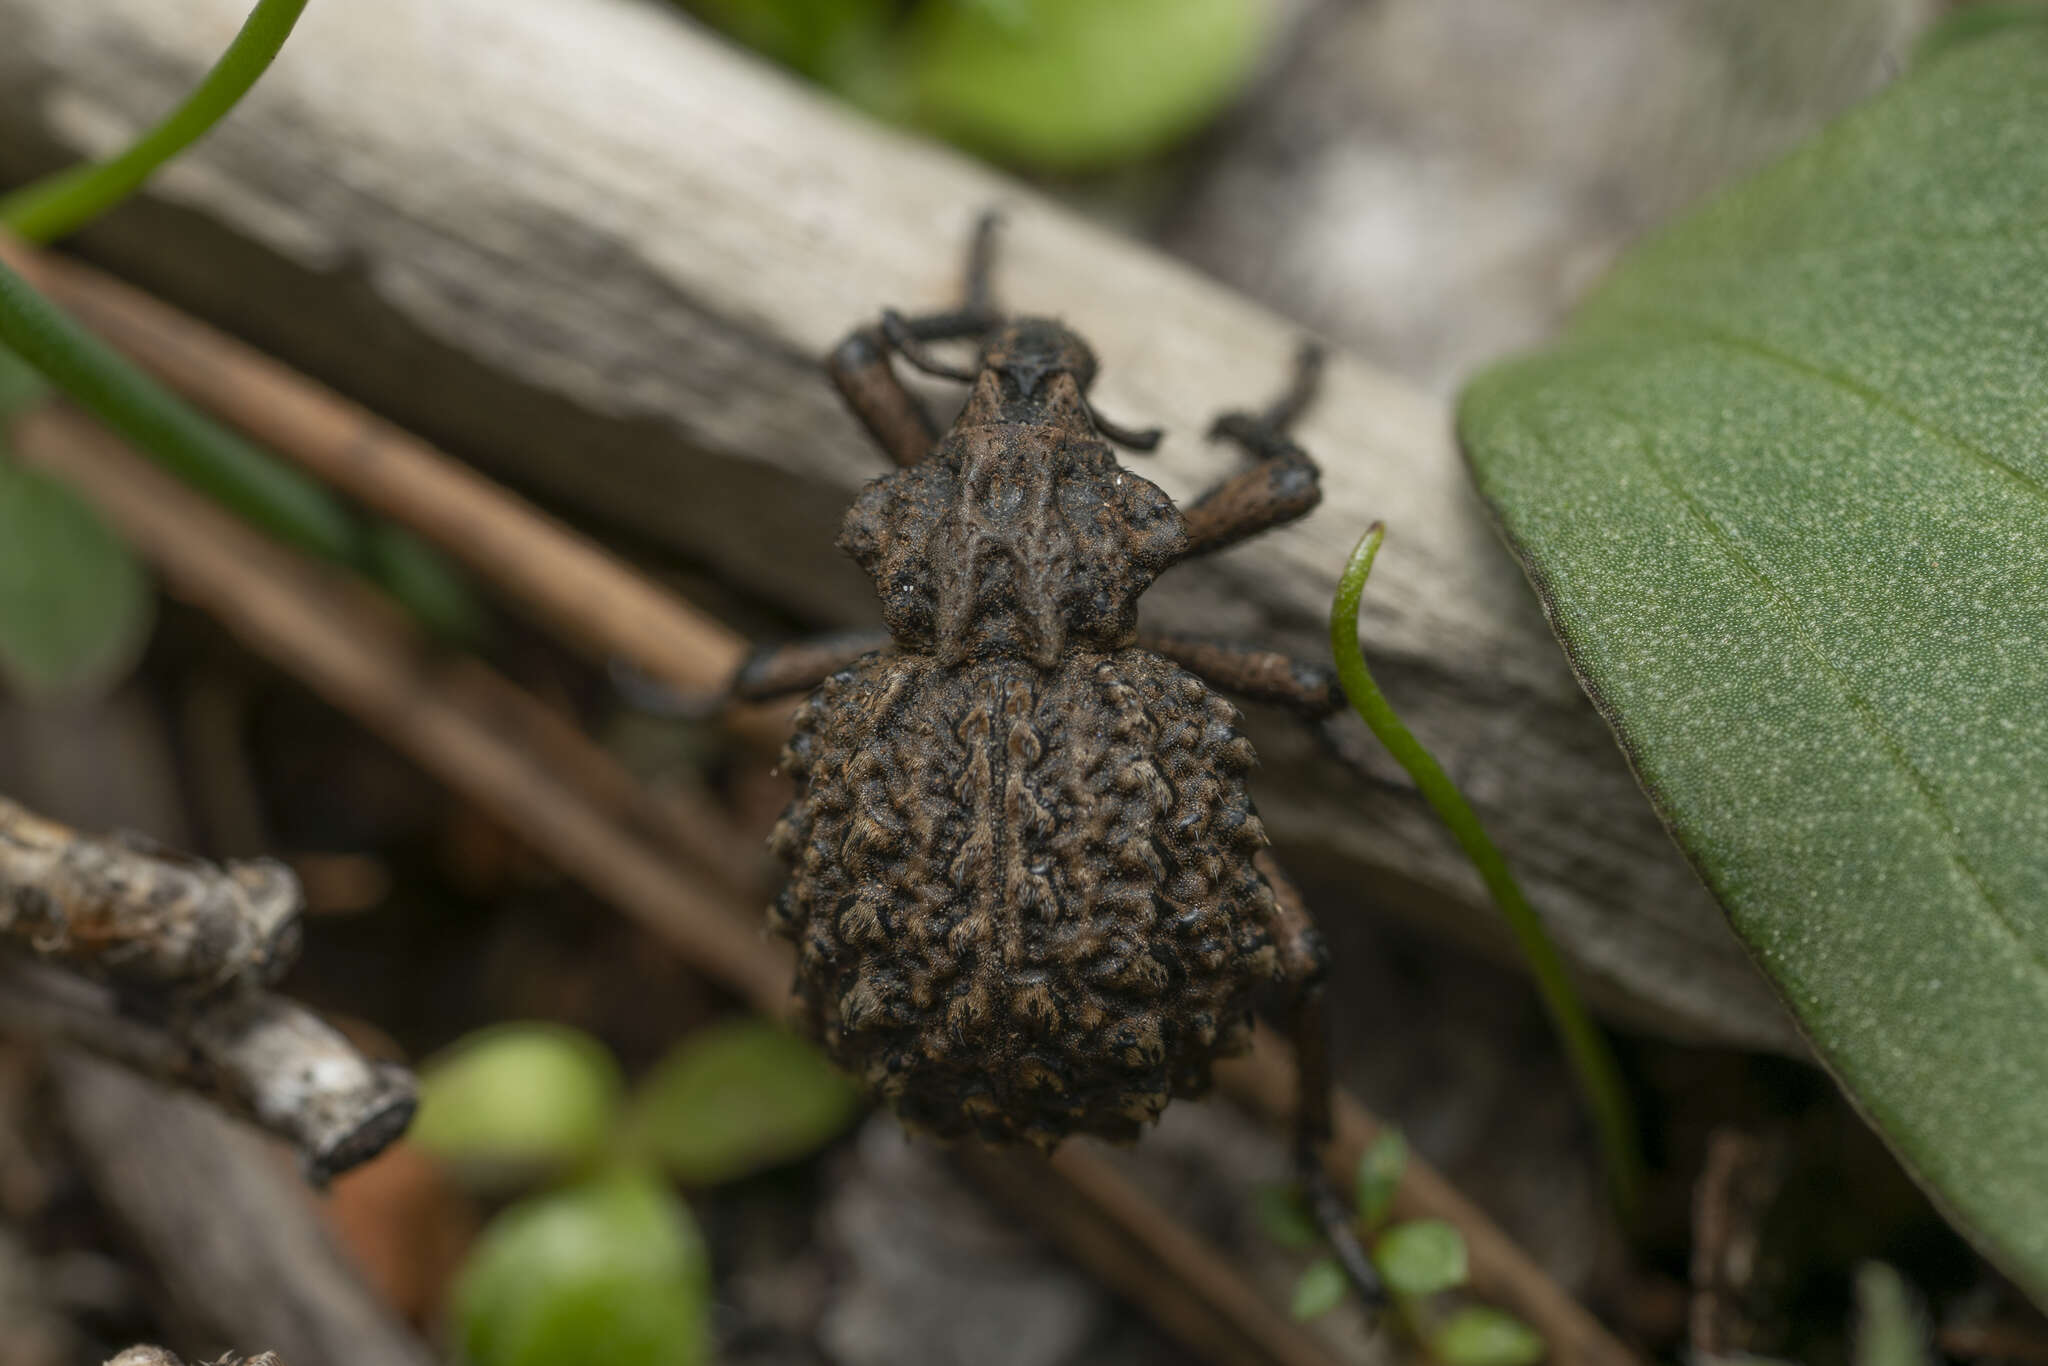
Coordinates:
<point>1029,893</point>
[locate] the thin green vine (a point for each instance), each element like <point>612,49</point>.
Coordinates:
<point>49,208</point>
<point>208,457</point>
<point>1599,1076</point>
<point>253,485</point>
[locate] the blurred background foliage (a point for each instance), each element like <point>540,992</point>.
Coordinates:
<point>1051,85</point>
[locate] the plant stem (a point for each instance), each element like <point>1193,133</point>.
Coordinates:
<point>49,208</point>
<point>204,455</point>
<point>1599,1077</point>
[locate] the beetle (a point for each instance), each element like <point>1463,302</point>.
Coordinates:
<point>1028,889</point>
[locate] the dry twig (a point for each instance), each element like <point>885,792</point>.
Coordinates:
<point>243,1253</point>
<point>1737,1187</point>
<point>142,915</point>
<point>184,946</point>
<point>256,1055</point>
<point>354,652</point>
<point>571,584</point>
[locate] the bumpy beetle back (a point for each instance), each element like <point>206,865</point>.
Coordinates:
<point>1023,899</point>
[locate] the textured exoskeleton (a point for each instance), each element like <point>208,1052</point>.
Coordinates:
<point>1027,884</point>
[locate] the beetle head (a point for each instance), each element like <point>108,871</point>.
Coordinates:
<point>1025,352</point>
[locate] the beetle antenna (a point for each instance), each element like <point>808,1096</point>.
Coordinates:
<point>1301,390</point>
<point>981,260</point>
<point>1141,439</point>
<point>906,342</point>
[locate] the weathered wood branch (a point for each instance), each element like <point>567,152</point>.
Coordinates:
<point>580,242</point>
<point>243,1253</point>
<point>141,915</point>
<point>182,948</point>
<point>255,1055</point>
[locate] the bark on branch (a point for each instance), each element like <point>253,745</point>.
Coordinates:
<point>182,948</point>
<point>256,1055</point>
<point>141,915</point>
<point>245,1257</point>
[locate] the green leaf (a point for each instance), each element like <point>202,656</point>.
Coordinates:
<point>612,1273</point>
<point>1783,488</point>
<point>1421,1257</point>
<point>1284,1218</point>
<point>75,607</point>
<point>1483,1336</point>
<point>738,1098</point>
<point>1321,1288</point>
<point>22,387</point>
<point>821,38</point>
<point>1889,1329</point>
<point>1973,21</point>
<point>1072,85</point>
<point>516,1097</point>
<point>1379,1176</point>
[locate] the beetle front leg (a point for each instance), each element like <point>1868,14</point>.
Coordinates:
<point>1283,485</point>
<point>1310,691</point>
<point>1304,961</point>
<point>861,370</point>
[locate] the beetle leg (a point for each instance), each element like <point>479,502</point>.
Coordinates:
<point>1282,485</point>
<point>860,368</point>
<point>1304,961</point>
<point>797,666</point>
<point>1310,691</point>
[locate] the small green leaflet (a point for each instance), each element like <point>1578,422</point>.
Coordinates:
<point>739,1097</point>
<point>1479,1335</point>
<point>1783,488</point>
<point>520,1096</point>
<point>609,1273</point>
<point>1421,1257</point>
<point>75,607</point>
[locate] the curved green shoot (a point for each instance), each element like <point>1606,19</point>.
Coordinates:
<point>47,209</point>
<point>1599,1077</point>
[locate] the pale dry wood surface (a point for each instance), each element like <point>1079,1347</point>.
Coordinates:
<point>592,249</point>
<point>243,1252</point>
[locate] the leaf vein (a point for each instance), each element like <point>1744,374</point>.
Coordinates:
<point>1866,712</point>
<point>1691,329</point>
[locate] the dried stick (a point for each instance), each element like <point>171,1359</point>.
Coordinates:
<point>354,650</point>
<point>1742,1178</point>
<point>358,656</point>
<point>571,584</point>
<point>141,915</point>
<point>242,1252</point>
<point>1076,1198</point>
<point>258,1056</point>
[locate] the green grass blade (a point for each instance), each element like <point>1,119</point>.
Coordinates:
<point>210,458</point>
<point>1591,1059</point>
<point>49,208</point>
